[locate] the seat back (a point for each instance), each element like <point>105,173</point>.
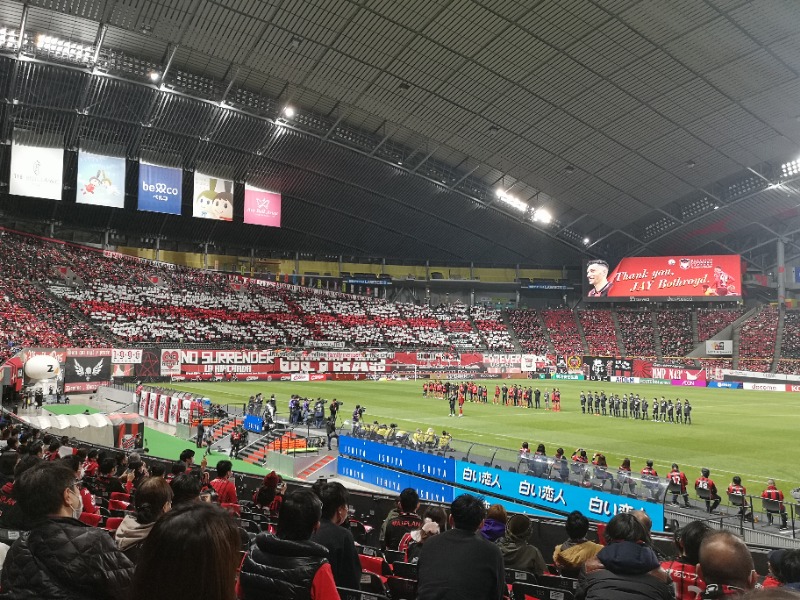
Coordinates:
<point>673,488</point>
<point>525,591</point>
<point>703,493</point>
<point>393,556</point>
<point>405,570</point>
<point>372,583</point>
<point>348,594</point>
<point>375,564</point>
<point>560,583</point>
<point>514,576</point>
<point>90,518</point>
<point>736,499</point>
<point>771,506</point>
<point>120,496</point>
<point>113,523</point>
<point>401,588</point>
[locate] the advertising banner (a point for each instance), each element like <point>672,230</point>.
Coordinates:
<point>568,376</point>
<point>143,397</point>
<point>719,347</point>
<point>509,506</point>
<point>101,180</point>
<point>36,171</point>
<point>764,387</point>
<point>690,383</point>
<point>393,481</point>
<point>405,459</point>
<point>790,387</point>
<point>213,198</point>
<point>733,385</point>
<point>160,189</point>
<point>599,368</point>
<point>671,278</point>
<point>152,405</point>
<point>618,379</point>
<point>299,377</point>
<point>550,494</point>
<point>648,380</point>
<point>87,369</point>
<point>262,207</point>
<point>678,373</point>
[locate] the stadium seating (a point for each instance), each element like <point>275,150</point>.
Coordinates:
<point>757,340</point>
<point>675,332</point>
<point>563,331</point>
<point>711,321</point>
<point>528,329</point>
<point>598,329</point>
<point>636,329</point>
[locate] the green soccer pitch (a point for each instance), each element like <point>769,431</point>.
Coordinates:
<point>734,432</point>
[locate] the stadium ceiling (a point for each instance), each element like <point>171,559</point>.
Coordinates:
<point>493,131</point>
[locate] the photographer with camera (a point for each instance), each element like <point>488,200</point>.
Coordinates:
<point>319,413</point>
<point>334,408</point>
<point>358,413</point>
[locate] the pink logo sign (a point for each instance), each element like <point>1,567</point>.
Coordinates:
<point>262,208</point>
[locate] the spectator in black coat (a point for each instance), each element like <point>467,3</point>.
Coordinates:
<point>338,540</point>
<point>61,558</point>
<point>627,568</point>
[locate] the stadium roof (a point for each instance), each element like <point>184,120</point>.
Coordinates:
<point>637,127</point>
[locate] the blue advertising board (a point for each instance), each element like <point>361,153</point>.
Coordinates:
<point>394,481</point>
<point>160,189</point>
<point>734,385</point>
<point>600,506</point>
<point>405,459</point>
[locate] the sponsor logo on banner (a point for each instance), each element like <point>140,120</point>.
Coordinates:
<point>764,387</point>
<point>300,377</point>
<point>676,373</point>
<point>262,207</point>
<point>675,278</point>
<point>792,388</point>
<point>719,347</point>
<point>690,383</point>
<point>733,385</point>
<point>617,379</point>
<point>170,363</point>
<point>323,344</point>
<point>213,198</point>
<point>160,189</point>
<point>101,180</point>
<point>648,380</point>
<point>568,376</point>
<point>36,171</point>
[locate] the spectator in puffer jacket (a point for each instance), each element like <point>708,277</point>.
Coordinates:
<point>61,558</point>
<point>570,556</point>
<point>627,568</point>
<point>494,525</point>
<point>289,564</point>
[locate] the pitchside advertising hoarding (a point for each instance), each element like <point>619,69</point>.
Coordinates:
<point>261,207</point>
<point>101,180</point>
<point>669,278</point>
<point>213,198</point>
<point>160,189</point>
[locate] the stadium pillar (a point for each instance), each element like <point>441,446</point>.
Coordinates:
<point>252,260</point>
<point>158,247</point>
<point>205,255</point>
<point>105,239</point>
<point>297,263</point>
<point>472,297</point>
<point>781,274</point>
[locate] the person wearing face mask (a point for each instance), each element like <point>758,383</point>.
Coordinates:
<point>338,540</point>
<point>88,505</point>
<point>61,557</point>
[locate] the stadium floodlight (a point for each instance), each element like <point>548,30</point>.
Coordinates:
<point>790,168</point>
<point>289,112</point>
<point>541,216</point>
<point>154,76</point>
<point>512,201</point>
<point>586,241</point>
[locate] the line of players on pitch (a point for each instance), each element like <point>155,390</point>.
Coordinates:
<point>516,395</point>
<point>665,411</point>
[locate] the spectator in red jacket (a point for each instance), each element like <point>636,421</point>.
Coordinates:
<point>678,478</point>
<point>683,570</point>
<point>90,467</point>
<point>773,493</point>
<point>223,484</point>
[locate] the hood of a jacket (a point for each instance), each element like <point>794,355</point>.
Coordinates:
<point>628,558</point>
<point>130,532</point>
<point>493,529</point>
<point>511,546</point>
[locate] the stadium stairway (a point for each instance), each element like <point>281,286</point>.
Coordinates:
<point>511,334</point>
<point>778,340</point>
<point>657,335</point>
<point>618,335</point>
<point>584,343</point>
<point>551,349</point>
<point>315,467</point>
<point>222,429</point>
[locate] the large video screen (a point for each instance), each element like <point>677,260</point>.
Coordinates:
<point>666,278</point>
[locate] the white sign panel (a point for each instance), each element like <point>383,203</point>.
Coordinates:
<point>719,347</point>
<point>764,387</point>
<point>36,172</point>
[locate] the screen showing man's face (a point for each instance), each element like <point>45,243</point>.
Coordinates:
<point>596,274</point>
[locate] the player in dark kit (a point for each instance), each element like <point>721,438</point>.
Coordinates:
<point>670,412</point>
<point>537,397</point>
<point>687,413</point>
<point>644,409</point>
<point>678,411</point>
<point>663,409</point>
<point>655,409</point>
<point>583,403</point>
<point>452,399</point>
<point>625,405</point>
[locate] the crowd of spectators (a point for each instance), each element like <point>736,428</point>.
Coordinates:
<point>563,330</point>
<point>757,339</point>
<point>489,321</point>
<point>675,332</point>
<point>711,321</point>
<point>790,344</point>
<point>599,331</point>
<point>788,367</point>
<point>636,329</point>
<point>527,326</point>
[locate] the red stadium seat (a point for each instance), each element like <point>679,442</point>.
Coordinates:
<point>90,519</point>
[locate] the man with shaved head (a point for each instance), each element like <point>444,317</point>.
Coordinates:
<point>725,565</point>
